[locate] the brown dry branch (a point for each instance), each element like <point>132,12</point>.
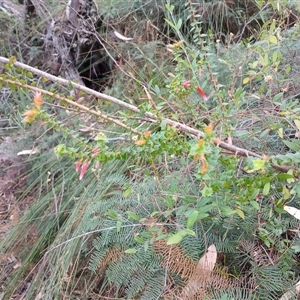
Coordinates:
<point>177,125</point>
<point>151,117</point>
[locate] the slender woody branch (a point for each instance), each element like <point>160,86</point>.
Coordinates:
<point>177,125</point>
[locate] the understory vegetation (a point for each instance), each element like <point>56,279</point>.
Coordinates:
<point>168,169</point>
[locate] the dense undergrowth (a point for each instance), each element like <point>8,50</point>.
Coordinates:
<point>191,192</point>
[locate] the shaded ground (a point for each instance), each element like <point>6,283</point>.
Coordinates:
<point>12,180</point>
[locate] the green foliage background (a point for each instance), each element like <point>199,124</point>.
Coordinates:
<point>108,235</point>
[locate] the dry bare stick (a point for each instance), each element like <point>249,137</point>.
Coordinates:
<point>179,126</point>
<point>41,10</point>
<point>11,9</point>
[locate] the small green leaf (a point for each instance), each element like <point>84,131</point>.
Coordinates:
<point>266,189</point>
<point>112,214</point>
<point>168,213</point>
<point>226,210</point>
<point>178,25</point>
<point>205,208</point>
<point>264,133</point>
<point>258,164</point>
<point>265,59</point>
<point>29,75</point>
<point>174,239</point>
<point>241,133</point>
<point>240,213</point>
<point>290,173</point>
<point>207,191</point>
<point>170,8</point>
<point>169,201</point>
<point>131,251</point>
<point>132,215</point>
<point>161,237</point>
<point>146,234</point>
<point>127,192</point>
<point>279,210</point>
<point>273,25</point>
<point>157,90</point>
<point>146,246</point>
<point>267,243</point>
<point>278,97</point>
<point>274,57</point>
<point>297,123</point>
<point>280,133</point>
<point>192,219</point>
<point>246,80</point>
<point>154,229</point>
<point>186,231</point>
<point>296,249</point>
<point>273,39</point>
<point>293,146</point>
<point>170,23</point>
<point>285,176</point>
<point>139,240</point>
<point>119,224</point>
<point>154,213</point>
<point>254,204</point>
<point>286,193</point>
<point>190,199</point>
<point>202,216</point>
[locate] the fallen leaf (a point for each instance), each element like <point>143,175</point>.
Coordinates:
<point>292,211</point>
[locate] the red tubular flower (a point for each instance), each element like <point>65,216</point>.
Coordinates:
<point>77,165</point>
<point>95,151</point>
<point>83,169</point>
<point>201,92</point>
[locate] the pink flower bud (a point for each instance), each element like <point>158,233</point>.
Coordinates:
<point>77,165</point>
<point>186,84</point>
